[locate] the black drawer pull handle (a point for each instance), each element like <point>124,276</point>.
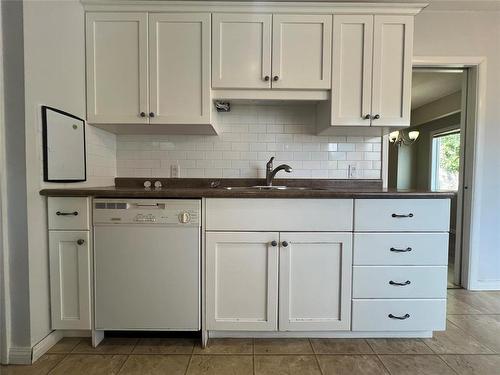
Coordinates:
<point>402,216</point>
<point>394,250</point>
<point>59,213</point>
<point>404,317</point>
<point>407,282</point>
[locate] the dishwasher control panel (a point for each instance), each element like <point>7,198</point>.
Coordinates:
<point>147,211</point>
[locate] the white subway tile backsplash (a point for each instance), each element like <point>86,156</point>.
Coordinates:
<point>251,134</point>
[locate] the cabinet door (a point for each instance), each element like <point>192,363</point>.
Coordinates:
<point>241,51</point>
<point>315,281</point>
<point>352,70</point>
<point>179,56</point>
<point>242,281</point>
<point>117,72</point>
<point>70,279</point>
<point>302,51</point>
<point>392,70</point>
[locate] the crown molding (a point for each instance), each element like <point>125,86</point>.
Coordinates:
<point>253,7</point>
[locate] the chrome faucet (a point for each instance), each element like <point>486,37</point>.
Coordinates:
<point>270,172</point>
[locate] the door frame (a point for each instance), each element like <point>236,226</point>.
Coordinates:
<point>475,120</point>
<point>4,269</point>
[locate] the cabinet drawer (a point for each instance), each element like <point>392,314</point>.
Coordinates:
<point>404,249</point>
<point>304,215</point>
<point>383,314</point>
<point>68,213</point>
<point>402,215</point>
<point>399,282</point>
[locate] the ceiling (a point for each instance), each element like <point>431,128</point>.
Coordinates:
<point>430,86</point>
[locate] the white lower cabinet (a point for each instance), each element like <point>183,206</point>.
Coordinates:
<point>399,282</point>
<point>400,264</point>
<point>398,314</point>
<point>315,281</point>
<point>70,279</point>
<point>242,281</point>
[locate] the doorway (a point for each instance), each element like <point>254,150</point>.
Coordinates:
<point>434,159</point>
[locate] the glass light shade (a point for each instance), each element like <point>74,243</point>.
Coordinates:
<point>393,136</point>
<point>413,135</point>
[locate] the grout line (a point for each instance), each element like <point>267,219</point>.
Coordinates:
<point>123,364</point>
<point>478,339</point>
<point>253,355</point>
<point>447,365</point>
<point>316,356</point>
<point>383,364</point>
<point>189,363</point>
<point>57,364</point>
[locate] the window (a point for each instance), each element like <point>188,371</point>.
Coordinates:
<point>445,160</point>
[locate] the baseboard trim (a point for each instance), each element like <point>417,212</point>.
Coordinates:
<point>19,355</point>
<point>479,285</point>
<point>333,335</point>
<point>53,338</point>
<point>46,343</point>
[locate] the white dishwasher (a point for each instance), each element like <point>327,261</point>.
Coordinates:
<point>147,264</point>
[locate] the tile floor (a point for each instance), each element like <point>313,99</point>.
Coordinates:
<point>470,345</point>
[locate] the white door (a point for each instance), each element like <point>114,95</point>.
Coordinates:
<point>116,48</point>
<point>179,57</point>
<point>302,51</point>
<point>70,279</point>
<point>315,281</point>
<point>242,281</point>
<point>352,70</point>
<point>241,56</point>
<point>392,70</point>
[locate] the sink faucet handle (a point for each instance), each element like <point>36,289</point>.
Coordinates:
<point>269,164</point>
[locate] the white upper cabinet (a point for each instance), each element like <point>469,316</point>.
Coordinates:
<point>392,70</point>
<point>241,54</point>
<point>300,46</point>
<point>372,65</point>
<point>352,70</point>
<point>179,76</point>
<point>117,70</point>
<point>302,51</point>
<point>315,281</point>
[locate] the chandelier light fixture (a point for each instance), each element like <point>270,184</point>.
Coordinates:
<point>400,138</point>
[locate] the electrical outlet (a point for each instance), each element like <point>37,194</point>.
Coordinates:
<point>353,173</point>
<point>175,170</point>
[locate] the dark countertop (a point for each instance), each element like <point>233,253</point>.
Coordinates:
<point>200,188</point>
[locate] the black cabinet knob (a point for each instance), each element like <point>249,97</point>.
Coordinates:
<point>151,114</point>
<point>274,243</point>
<point>284,244</point>
<point>275,78</point>
<point>266,78</point>
<point>143,114</point>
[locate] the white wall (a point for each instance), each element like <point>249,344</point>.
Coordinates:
<point>55,76</point>
<point>15,174</point>
<point>251,135</point>
<point>475,34</point>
